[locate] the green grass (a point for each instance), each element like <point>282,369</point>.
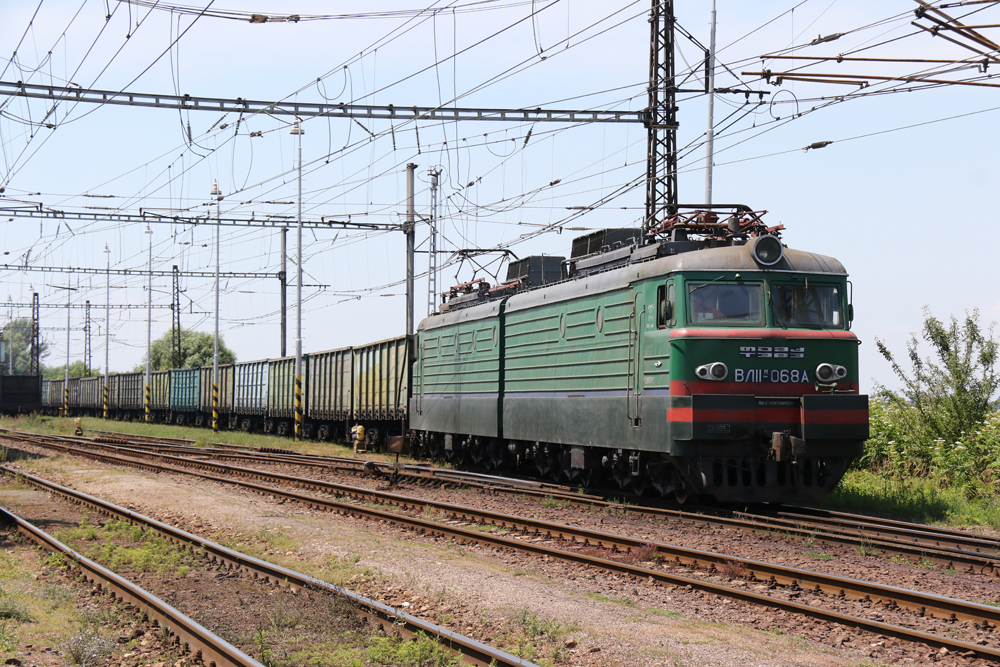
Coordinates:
<point>922,561</point>
<point>555,503</point>
<point>628,602</point>
<point>528,635</point>
<point>420,652</point>
<point>665,612</point>
<point>32,611</point>
<point>119,544</point>
<point>918,500</point>
<point>360,650</point>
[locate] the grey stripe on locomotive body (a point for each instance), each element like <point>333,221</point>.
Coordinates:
<point>599,415</point>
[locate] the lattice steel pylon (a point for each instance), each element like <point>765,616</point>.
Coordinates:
<point>175,306</point>
<point>86,341</point>
<point>35,366</point>
<point>661,123</point>
<point>432,261</point>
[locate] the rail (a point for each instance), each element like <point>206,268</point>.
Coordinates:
<point>472,651</point>
<point>944,547</point>
<point>917,602</point>
<point>213,649</point>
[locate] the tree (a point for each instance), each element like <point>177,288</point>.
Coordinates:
<point>197,349</point>
<point>17,332</point>
<point>77,369</point>
<point>956,390</point>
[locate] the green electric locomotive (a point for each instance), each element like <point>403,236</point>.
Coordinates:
<point>702,359</point>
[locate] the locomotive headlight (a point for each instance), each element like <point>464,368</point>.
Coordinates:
<point>840,372</point>
<point>717,371</point>
<point>767,250</point>
<point>827,372</point>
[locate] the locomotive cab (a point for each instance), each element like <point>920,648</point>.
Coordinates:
<point>764,401</point>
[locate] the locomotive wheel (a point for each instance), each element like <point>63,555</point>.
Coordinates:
<point>456,455</point>
<point>681,497</point>
<point>478,452</point>
<point>499,457</point>
<point>433,446</point>
<point>588,476</point>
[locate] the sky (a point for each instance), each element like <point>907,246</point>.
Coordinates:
<point>901,197</point>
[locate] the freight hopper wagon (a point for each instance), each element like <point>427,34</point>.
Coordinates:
<point>710,361</point>
<point>367,384</point>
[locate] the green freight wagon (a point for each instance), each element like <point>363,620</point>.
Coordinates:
<point>381,379</point>
<point>56,397</point>
<point>126,395</point>
<point>45,392</point>
<point>185,394</point>
<point>329,388</point>
<point>281,394</point>
<point>226,374</point>
<point>250,393</point>
<point>159,382</point>
<point>74,395</point>
<point>91,396</point>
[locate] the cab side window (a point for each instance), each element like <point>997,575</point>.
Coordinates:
<point>664,306</point>
<point>672,315</point>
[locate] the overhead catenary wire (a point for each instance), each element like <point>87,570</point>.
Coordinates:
<point>447,150</point>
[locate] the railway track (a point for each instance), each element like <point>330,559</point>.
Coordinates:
<point>409,470</point>
<point>471,651</point>
<point>900,532</point>
<point>199,640</point>
<point>574,542</point>
<point>147,438</point>
<point>920,544</point>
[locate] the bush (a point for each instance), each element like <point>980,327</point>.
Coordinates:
<point>421,651</point>
<point>896,445</point>
<point>12,609</point>
<point>900,449</point>
<point>941,425</point>
<point>954,391</point>
<point>87,648</point>
<point>973,461</point>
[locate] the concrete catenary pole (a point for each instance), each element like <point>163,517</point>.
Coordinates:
<point>107,329</point>
<point>283,277</point>
<point>149,333</point>
<point>410,236</point>
<point>298,131</point>
<point>215,357</point>
<point>69,290</point>
<point>710,136</point>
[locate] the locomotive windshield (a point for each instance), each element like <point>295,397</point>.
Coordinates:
<point>814,306</point>
<point>720,303</point>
